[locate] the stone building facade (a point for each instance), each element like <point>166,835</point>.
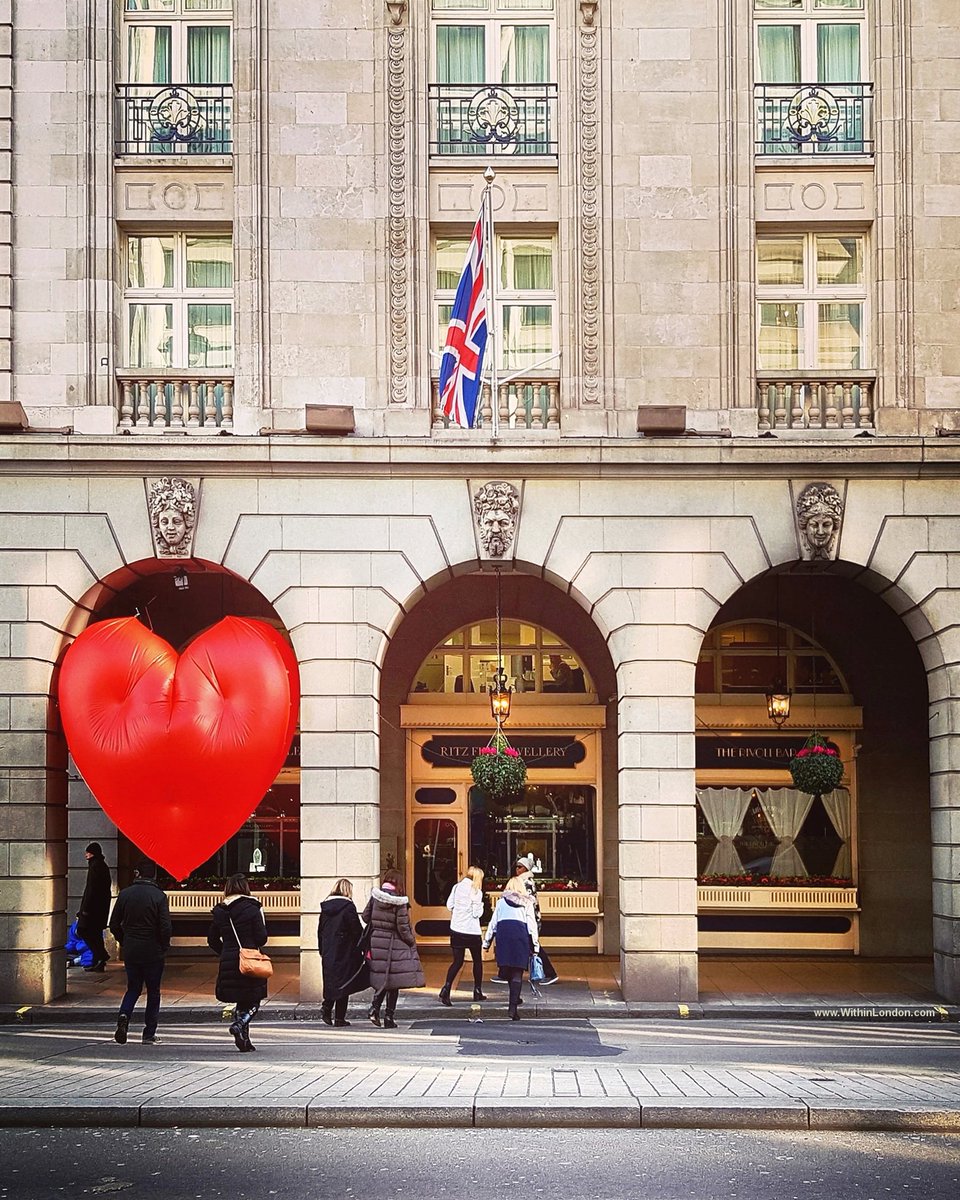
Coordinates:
<point>726,264</point>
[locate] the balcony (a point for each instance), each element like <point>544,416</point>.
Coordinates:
<point>175,119</point>
<point>814,118</point>
<point>182,401</point>
<point>493,119</point>
<point>809,400</point>
<point>532,402</point>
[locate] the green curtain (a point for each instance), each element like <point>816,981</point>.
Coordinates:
<point>526,333</point>
<point>779,53</point>
<point>208,54</point>
<point>524,54</point>
<point>148,54</point>
<point>838,53</point>
<point>460,54</point>
<point>530,264</point>
<point>209,262</point>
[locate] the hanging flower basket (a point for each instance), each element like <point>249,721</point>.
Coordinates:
<point>498,769</point>
<point>817,768</point>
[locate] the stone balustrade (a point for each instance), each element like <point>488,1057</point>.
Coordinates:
<point>815,399</point>
<point>531,402</point>
<point>154,401</point>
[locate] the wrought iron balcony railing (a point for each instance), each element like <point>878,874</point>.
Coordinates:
<point>174,118</point>
<point>493,118</point>
<point>183,400</point>
<point>814,118</point>
<point>524,403</point>
<point>815,399</point>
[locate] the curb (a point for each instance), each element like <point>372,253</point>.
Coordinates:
<point>484,1113</point>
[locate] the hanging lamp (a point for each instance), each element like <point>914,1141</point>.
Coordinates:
<point>779,696</point>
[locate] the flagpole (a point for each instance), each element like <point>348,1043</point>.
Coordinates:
<point>489,176</point>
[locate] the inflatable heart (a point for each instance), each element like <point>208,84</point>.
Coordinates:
<point>179,749</point>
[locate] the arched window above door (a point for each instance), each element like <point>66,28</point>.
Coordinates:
<point>742,658</point>
<point>536,661</point>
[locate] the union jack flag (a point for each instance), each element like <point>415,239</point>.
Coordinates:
<point>462,358</point>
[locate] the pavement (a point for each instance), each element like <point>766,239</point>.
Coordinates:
<point>803,1044</point>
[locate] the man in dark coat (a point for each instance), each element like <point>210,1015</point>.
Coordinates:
<point>95,906</point>
<point>141,924</point>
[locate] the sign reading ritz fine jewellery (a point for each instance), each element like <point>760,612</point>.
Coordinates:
<point>748,753</point>
<point>538,752</point>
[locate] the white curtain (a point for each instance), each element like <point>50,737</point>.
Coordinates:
<point>786,810</point>
<point>837,804</point>
<point>724,810</point>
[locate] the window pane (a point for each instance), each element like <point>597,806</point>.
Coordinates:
<point>779,344</point>
<point>434,861</point>
<point>858,4</point>
<point>440,673</point>
<point>840,260</point>
<point>525,54</point>
<point>210,335</point>
<point>562,673</point>
<point>446,5</point>
<point>527,333</point>
<point>151,335</point>
<point>207,5</point>
<point>208,54</point>
<point>460,54</point>
<point>780,261</point>
<point>443,323</point>
<point>526,266</point>
<point>778,3</point>
<point>533,5</point>
<point>838,336</point>
<point>148,54</point>
<point>778,49</point>
<point>748,672</point>
<point>150,262</point>
<point>209,261</point>
<point>451,253</point>
<point>149,5</point>
<point>838,53</point>
<point>748,635</point>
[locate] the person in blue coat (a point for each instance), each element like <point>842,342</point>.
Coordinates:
<point>514,929</point>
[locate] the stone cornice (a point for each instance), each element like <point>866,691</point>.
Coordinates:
<point>525,456</point>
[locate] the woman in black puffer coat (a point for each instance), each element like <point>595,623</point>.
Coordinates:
<point>238,916</point>
<point>394,961</point>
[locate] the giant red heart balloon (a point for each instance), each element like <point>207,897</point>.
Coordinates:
<point>179,749</point>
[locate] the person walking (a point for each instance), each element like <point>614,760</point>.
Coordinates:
<point>141,924</point>
<point>95,906</point>
<point>465,903</point>
<point>237,920</point>
<point>513,927</point>
<point>394,961</point>
<point>345,969</point>
<point>524,871</point>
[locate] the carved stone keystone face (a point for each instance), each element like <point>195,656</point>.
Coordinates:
<point>819,517</point>
<point>497,506</point>
<point>172,505</point>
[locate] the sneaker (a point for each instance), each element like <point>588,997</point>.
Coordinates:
<point>150,1039</point>
<point>120,1034</point>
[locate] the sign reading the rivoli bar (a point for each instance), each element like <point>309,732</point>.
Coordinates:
<point>751,753</point>
<point>559,753</point>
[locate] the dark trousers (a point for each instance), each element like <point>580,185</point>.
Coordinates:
<point>337,1009</point>
<point>459,953</point>
<point>94,939</point>
<point>140,975</point>
<point>515,976</point>
<point>390,994</point>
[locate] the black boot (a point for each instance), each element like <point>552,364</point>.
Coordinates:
<point>326,1013</point>
<point>478,994</point>
<point>444,996</point>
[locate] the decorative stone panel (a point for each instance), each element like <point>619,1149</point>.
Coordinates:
<point>183,196</point>
<point>815,196</point>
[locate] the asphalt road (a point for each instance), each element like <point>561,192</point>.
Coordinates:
<point>429,1164</point>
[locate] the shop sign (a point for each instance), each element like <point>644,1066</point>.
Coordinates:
<point>293,754</point>
<point>539,753</point>
<point>749,752</point>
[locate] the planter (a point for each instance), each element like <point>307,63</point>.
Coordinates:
<point>817,768</point>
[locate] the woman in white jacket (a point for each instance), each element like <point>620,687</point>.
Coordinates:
<point>466,906</point>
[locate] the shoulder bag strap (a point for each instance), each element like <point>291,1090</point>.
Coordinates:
<point>240,944</point>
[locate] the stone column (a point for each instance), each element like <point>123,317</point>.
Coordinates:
<point>944,686</point>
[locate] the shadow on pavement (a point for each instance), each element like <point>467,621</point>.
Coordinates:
<point>555,1039</point>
